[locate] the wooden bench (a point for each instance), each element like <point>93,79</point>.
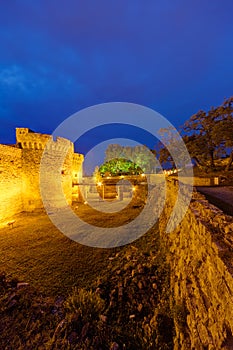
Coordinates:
<point>10,223</point>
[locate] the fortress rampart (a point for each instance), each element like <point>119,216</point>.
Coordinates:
<point>199,251</point>
<point>20,171</point>
<point>11,185</point>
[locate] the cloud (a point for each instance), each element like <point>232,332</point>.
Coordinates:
<point>13,77</point>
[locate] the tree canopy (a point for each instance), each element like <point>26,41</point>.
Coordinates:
<point>140,156</point>
<point>207,135</point>
<point>120,166</point>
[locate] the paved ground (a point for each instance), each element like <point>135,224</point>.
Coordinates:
<point>221,196</point>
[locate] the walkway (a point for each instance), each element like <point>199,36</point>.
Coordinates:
<point>221,196</point>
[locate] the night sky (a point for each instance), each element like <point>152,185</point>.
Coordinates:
<point>58,57</point>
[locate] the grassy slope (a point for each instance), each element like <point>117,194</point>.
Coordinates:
<point>36,252</point>
<point>133,286</point>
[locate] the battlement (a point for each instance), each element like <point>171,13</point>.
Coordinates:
<point>78,158</point>
<point>27,139</point>
<point>20,170</point>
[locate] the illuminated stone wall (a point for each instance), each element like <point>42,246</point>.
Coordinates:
<point>10,181</point>
<point>199,251</point>
<point>20,171</point>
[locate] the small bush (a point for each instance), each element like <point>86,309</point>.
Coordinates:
<point>85,303</point>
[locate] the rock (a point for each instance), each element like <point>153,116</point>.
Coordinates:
<point>140,307</point>
<point>103,318</point>
<point>98,290</point>
<point>3,278</point>
<point>59,327</point>
<point>140,285</point>
<point>22,285</point>
<point>120,291</point>
<point>132,316</point>
<point>59,301</point>
<point>140,269</point>
<point>128,257</point>
<point>72,337</point>
<point>12,296</point>
<point>85,330</point>
<point>229,228</point>
<point>114,346</point>
<point>12,304</point>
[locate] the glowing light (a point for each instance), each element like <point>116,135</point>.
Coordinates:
<point>99,183</point>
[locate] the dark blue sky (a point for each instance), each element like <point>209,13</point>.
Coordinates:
<point>58,57</point>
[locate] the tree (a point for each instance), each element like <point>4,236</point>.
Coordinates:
<point>172,149</point>
<point>208,134</point>
<point>140,155</point>
<point>120,166</point>
<point>223,131</point>
<point>200,141</point>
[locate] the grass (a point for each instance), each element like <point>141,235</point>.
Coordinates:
<point>107,296</point>
<point>36,252</point>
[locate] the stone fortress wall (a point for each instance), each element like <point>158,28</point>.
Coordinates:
<point>11,184</point>
<point>199,251</point>
<point>20,171</point>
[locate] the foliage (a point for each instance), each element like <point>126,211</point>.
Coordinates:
<point>171,148</point>
<point>209,134</point>
<point>85,304</point>
<point>120,166</point>
<point>141,156</point>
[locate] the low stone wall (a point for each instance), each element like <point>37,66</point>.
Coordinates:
<point>199,181</point>
<point>200,253</point>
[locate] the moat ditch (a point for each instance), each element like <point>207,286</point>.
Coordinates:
<point>80,297</point>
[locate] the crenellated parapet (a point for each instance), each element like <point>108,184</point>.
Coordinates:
<point>20,169</point>
<point>27,139</point>
<point>78,159</point>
